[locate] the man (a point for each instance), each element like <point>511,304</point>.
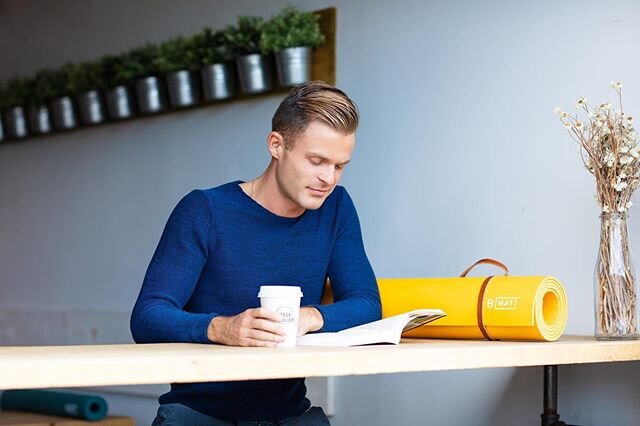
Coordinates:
<point>292,225</point>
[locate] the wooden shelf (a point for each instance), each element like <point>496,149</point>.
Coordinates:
<point>101,365</point>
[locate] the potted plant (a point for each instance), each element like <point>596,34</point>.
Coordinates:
<point>176,60</point>
<point>13,109</point>
<point>63,110</point>
<point>40,90</point>
<point>85,82</point>
<point>254,67</point>
<point>116,75</point>
<point>214,57</point>
<point>140,64</point>
<point>290,36</point>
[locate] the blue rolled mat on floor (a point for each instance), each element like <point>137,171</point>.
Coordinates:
<point>80,406</point>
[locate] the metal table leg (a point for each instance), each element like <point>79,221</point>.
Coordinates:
<point>550,416</point>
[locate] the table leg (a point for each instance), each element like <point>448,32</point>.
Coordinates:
<point>550,416</point>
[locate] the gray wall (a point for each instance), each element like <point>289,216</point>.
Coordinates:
<point>459,157</point>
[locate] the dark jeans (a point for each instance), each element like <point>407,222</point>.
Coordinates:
<point>181,415</point>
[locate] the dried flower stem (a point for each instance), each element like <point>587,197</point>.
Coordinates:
<point>617,298</point>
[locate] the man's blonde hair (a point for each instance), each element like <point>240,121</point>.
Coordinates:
<point>314,101</point>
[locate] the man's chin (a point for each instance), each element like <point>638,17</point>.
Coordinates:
<point>312,204</point>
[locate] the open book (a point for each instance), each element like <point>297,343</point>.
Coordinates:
<point>387,330</point>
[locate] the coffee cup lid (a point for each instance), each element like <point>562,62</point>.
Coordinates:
<point>279,291</point>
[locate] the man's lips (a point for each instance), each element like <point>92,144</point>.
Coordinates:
<point>318,191</point>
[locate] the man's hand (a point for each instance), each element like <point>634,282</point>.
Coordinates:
<point>310,320</point>
<point>253,327</point>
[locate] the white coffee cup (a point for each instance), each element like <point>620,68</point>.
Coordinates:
<point>285,300</point>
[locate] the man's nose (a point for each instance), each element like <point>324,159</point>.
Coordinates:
<point>328,175</point>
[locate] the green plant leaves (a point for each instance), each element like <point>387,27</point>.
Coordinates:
<point>244,37</point>
<point>291,28</point>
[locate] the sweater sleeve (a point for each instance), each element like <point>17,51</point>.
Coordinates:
<point>355,289</point>
<point>172,275</point>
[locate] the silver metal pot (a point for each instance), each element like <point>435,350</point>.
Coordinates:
<point>150,94</point>
<point>218,81</point>
<point>91,107</point>
<point>119,103</point>
<point>39,120</point>
<point>63,113</point>
<point>254,73</point>
<point>16,123</point>
<point>184,88</point>
<point>293,65</point>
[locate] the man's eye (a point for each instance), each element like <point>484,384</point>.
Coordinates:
<point>339,166</point>
<point>315,162</point>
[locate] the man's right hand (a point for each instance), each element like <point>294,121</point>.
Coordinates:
<point>253,327</point>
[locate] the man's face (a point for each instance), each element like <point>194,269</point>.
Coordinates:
<point>309,171</point>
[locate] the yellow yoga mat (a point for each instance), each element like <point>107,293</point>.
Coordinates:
<point>498,307</point>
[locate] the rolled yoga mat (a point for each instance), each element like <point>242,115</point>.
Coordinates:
<point>88,407</point>
<point>496,307</point>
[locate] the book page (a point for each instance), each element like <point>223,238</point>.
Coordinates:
<point>388,330</point>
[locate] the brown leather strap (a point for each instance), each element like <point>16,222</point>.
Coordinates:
<point>488,262</point>
<point>483,288</point>
<point>480,318</point>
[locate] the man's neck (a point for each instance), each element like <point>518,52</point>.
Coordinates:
<point>265,191</point>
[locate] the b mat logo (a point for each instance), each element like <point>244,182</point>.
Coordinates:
<point>503,303</point>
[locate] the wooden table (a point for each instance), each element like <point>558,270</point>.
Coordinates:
<point>102,365</point>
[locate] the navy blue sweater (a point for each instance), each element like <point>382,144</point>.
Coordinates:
<point>218,247</point>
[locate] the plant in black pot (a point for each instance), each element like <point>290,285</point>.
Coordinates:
<point>254,67</point>
<point>141,64</point>
<point>117,76</point>
<point>214,57</point>
<point>13,107</point>
<point>290,36</point>
<point>176,60</point>
<point>86,82</point>
<point>63,109</point>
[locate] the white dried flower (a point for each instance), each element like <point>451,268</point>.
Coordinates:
<point>609,159</point>
<point>582,101</point>
<point>605,106</point>
<point>605,209</point>
<point>615,85</point>
<point>629,205</point>
<point>567,125</point>
<point>557,110</point>
<point>619,186</point>
<point>634,152</point>
<point>623,175</point>
<point>624,149</point>
<point>629,120</point>
<point>579,125</point>
<point>621,209</point>
<point>625,159</point>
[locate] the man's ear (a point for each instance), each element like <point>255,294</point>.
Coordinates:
<point>275,144</point>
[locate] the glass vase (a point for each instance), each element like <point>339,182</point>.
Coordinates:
<point>615,282</point>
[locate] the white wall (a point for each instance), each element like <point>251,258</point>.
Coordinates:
<point>459,157</point>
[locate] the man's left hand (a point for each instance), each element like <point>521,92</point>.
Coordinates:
<point>310,320</point>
